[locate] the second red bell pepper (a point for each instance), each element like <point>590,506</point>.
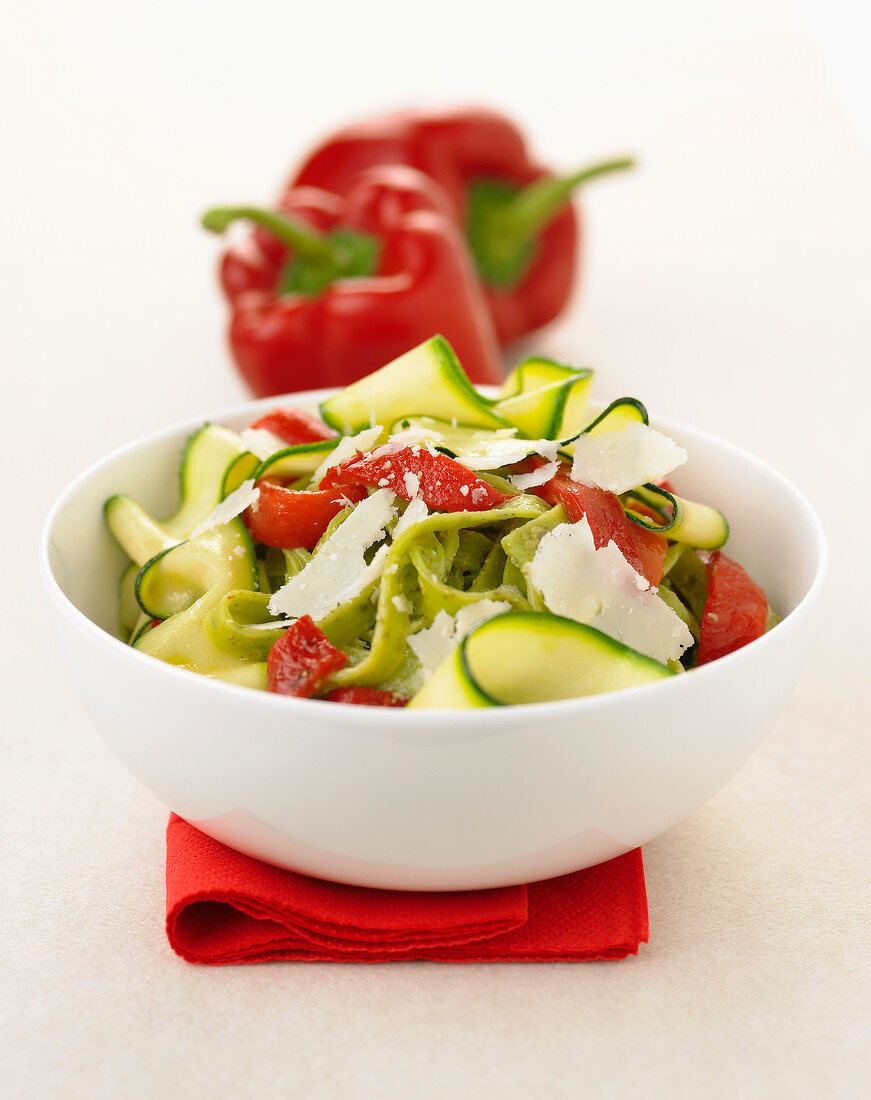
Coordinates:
<point>520,224</point>
<point>330,288</point>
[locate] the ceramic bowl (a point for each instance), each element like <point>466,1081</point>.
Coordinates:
<point>431,800</point>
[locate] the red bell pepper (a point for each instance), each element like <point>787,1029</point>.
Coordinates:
<point>294,426</point>
<point>301,659</point>
<point>643,549</point>
<point>518,218</point>
<point>442,483</point>
<point>366,697</point>
<point>293,518</point>
<point>330,288</point>
<point>735,612</point>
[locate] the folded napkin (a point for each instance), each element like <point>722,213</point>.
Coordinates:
<point>224,907</point>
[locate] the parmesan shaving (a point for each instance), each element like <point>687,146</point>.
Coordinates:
<point>346,448</point>
<point>262,443</point>
<point>414,513</point>
<point>494,453</point>
<point>626,458</point>
<point>434,643</point>
<point>600,588</point>
<point>535,477</point>
<point>230,507</point>
<point>338,572</point>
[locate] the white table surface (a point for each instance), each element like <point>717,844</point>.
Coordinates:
<point>728,283</point>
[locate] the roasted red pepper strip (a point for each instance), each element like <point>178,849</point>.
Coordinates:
<point>301,660</point>
<point>735,612</point>
<point>442,483</point>
<point>330,288</point>
<point>291,518</point>
<point>643,549</point>
<point>294,425</point>
<point>366,697</point>
<point>520,224</point>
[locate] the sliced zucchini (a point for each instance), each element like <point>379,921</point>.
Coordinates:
<point>545,399</point>
<point>534,657</point>
<point>187,582</point>
<point>239,470</point>
<point>297,461</point>
<point>209,455</point>
<point>499,447</point>
<point>623,411</point>
<point>685,521</point>
<point>176,578</point>
<point>428,378</point>
<point>128,609</point>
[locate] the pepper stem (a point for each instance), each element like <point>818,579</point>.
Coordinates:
<point>317,259</point>
<point>503,220</point>
<point>531,208</point>
<point>304,240</point>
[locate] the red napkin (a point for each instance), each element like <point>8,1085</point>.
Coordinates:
<point>224,907</point>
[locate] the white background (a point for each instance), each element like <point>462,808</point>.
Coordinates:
<point>727,283</point>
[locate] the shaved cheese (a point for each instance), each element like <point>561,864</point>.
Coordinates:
<point>625,459</point>
<point>473,614</point>
<point>493,453</point>
<point>414,434</point>
<point>535,477</point>
<point>262,443</point>
<point>230,507</point>
<point>338,572</point>
<point>432,644</point>
<point>346,448</point>
<point>414,513</point>
<point>600,588</point>
<point>412,484</point>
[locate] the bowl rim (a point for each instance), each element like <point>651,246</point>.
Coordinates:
<point>398,718</point>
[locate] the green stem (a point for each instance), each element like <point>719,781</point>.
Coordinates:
<point>307,243</point>
<point>531,208</point>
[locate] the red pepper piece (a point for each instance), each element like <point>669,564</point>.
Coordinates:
<point>443,484</point>
<point>520,224</point>
<point>330,288</point>
<point>292,518</point>
<point>294,426</point>
<point>301,660</point>
<point>735,610</point>
<point>366,697</point>
<point>643,549</point>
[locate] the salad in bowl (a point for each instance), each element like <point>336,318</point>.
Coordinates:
<point>420,544</point>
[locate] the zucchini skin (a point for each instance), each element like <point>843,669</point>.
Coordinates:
<point>533,657</point>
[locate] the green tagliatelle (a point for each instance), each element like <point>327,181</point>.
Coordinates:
<point>411,574</point>
<point>197,590</point>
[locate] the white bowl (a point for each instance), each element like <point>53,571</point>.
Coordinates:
<point>431,800</point>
